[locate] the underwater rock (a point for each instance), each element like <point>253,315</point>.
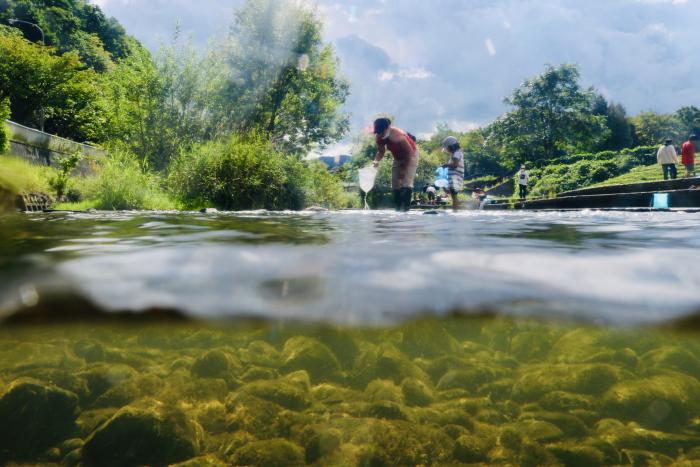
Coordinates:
<point>396,442</point>
<point>281,391</point>
<point>469,379</point>
<point>576,345</point>
<point>565,401</point>
<point>538,430</point>
<point>633,436</point>
<point>269,453</point>
<point>204,461</point>
<point>416,393</point>
<point>129,390</point>
<point>641,457</point>
<point>592,379</point>
<point>341,342</point>
<point>322,444</point>
<point>135,436</point>
<point>103,376</point>
<point>386,410</point>
<point>212,416</point>
<point>526,346</point>
<point>471,449</point>
<point>385,362</point>
<point>34,416</point>
<point>672,358</point>
<point>427,338</point>
<point>305,353</point>
<point>626,358</point>
<point>259,417</point>
<point>498,390</point>
<point>571,426</point>
<point>90,350</point>
<point>260,354</point>
<point>383,390</point>
<point>259,373</point>
<point>664,401</point>
<point>212,364</point>
<point>577,456</point>
<point>331,394</point>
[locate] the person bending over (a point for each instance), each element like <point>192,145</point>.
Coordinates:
<point>405,153</point>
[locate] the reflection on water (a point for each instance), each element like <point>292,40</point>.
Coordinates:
<point>361,266</point>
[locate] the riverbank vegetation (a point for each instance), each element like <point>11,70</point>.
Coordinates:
<point>272,80</point>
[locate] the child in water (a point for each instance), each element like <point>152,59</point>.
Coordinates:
<point>455,168</point>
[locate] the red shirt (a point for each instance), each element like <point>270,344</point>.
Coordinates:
<point>688,153</point>
<point>398,150</point>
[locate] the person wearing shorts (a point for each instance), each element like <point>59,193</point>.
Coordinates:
<point>405,152</point>
<point>455,168</point>
<point>688,155</point>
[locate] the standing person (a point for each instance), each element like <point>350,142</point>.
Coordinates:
<point>668,158</point>
<point>688,155</point>
<point>405,152</point>
<point>523,180</point>
<point>455,168</point>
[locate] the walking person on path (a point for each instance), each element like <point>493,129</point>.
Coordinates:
<point>405,152</point>
<point>688,155</point>
<point>668,158</point>
<point>523,180</point>
<point>455,168</point>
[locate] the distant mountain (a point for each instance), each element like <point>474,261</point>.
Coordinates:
<point>334,162</point>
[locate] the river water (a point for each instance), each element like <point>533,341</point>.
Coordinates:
<point>357,267</point>
<point>378,339</point>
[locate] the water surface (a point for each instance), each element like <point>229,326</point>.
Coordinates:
<point>360,266</point>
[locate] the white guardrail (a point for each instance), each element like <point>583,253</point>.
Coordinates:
<point>29,136</point>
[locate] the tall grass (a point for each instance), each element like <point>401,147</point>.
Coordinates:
<point>19,176</point>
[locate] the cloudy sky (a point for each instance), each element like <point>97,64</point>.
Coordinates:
<point>453,61</point>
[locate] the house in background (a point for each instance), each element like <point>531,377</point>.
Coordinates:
<point>335,162</point>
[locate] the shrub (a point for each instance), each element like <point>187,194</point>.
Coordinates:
<point>122,184</point>
<point>60,181</point>
<point>245,172</point>
<point>4,131</point>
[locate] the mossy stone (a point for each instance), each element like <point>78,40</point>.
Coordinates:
<point>624,357</point>
<point>640,457</point>
<point>572,455</point>
<point>281,392</point>
<point>564,401</point>
<point>538,430</point>
<point>571,426</point>
<point>256,416</point>
<point>34,416</point>
<point>305,353</point>
<point>269,453</point>
<point>468,378</point>
<point>592,379</point>
<point>497,390</point>
<point>203,461</point>
<point>135,436</point>
<point>259,373</point>
<point>470,449</point>
<point>427,338</point>
<point>322,444</point>
<point>526,346</point>
<point>89,349</point>
<point>260,354</point>
<point>104,376</point>
<point>212,416</point>
<point>383,390</point>
<point>331,394</point>
<point>386,410</point>
<point>632,436</point>
<point>212,364</point>
<point>416,393</point>
<point>663,401</point>
<point>510,438</point>
<point>672,358</point>
<point>129,390</point>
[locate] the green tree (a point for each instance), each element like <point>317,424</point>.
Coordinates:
<point>282,79</point>
<point>620,129</point>
<point>689,121</point>
<point>49,90</point>
<point>651,128</point>
<point>551,115</point>
<point>4,131</point>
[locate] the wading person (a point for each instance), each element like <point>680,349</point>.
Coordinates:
<point>523,180</point>
<point>688,155</point>
<point>668,158</point>
<point>405,152</point>
<point>455,168</point>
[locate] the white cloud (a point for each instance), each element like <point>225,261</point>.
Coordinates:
<point>427,61</point>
